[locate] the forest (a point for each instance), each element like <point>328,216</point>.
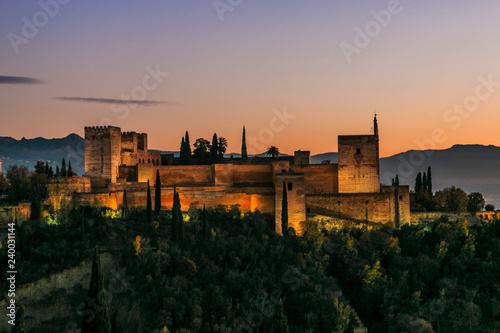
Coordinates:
<point>230,272</point>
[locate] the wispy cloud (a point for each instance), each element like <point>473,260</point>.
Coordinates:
<point>19,80</point>
<point>110,101</point>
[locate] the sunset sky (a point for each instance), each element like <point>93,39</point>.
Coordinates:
<point>427,68</point>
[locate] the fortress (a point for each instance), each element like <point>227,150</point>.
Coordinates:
<point>116,161</point>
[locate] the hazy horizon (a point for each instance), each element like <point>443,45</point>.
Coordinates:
<point>423,66</point>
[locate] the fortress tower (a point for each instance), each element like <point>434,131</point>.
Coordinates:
<point>359,170</point>
<point>102,152</point>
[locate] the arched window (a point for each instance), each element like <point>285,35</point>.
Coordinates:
<point>149,160</point>
<point>290,186</point>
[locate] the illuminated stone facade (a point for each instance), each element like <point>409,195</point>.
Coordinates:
<point>116,161</point>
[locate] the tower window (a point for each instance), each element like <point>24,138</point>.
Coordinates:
<point>358,151</point>
<point>290,186</point>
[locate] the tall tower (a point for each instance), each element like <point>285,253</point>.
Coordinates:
<point>102,152</point>
<point>244,145</point>
<point>359,170</point>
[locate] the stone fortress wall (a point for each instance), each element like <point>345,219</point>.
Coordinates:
<point>116,161</point>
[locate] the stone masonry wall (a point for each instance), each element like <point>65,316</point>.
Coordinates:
<point>358,164</point>
<point>294,183</point>
<point>319,178</point>
<point>380,207</point>
<point>102,152</point>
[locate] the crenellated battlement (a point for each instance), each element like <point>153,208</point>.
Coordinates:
<point>94,130</point>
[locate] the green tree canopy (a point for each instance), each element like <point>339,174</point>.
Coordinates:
<point>476,202</point>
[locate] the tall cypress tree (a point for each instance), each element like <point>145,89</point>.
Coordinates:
<point>96,315</point>
<point>429,180</point>
<point>205,225</point>
<point>64,173</point>
<point>284,211</point>
<point>396,182</point>
<point>418,183</point>
<point>58,173</point>
<point>180,220</point>
<point>36,205</point>
<point>124,202</point>
<point>149,210</point>
<point>281,325</point>
<point>157,193</point>
<point>174,224</point>
<point>70,171</point>
<point>244,145</point>
<point>424,182</point>
<point>182,154</point>
<point>188,148</point>
<point>214,149</point>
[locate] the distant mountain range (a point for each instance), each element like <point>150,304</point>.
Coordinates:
<point>474,168</point>
<point>28,151</point>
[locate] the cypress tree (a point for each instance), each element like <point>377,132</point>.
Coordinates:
<point>96,315</point>
<point>124,203</point>
<point>396,182</point>
<point>281,325</point>
<point>36,205</point>
<point>70,171</point>
<point>214,149</point>
<point>205,225</point>
<point>46,168</point>
<point>58,173</point>
<point>180,220</point>
<point>429,180</point>
<point>51,172</point>
<point>182,154</point>
<point>157,193</point>
<point>418,183</point>
<point>284,211</point>
<point>149,210</point>
<point>244,145</point>
<point>188,148</point>
<point>19,322</point>
<point>174,222</point>
<point>63,169</point>
<point>424,182</point>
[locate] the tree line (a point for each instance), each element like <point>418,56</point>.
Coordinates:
<point>450,199</point>
<point>205,152</point>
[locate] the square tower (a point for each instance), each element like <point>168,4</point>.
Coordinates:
<point>102,152</point>
<point>359,170</point>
